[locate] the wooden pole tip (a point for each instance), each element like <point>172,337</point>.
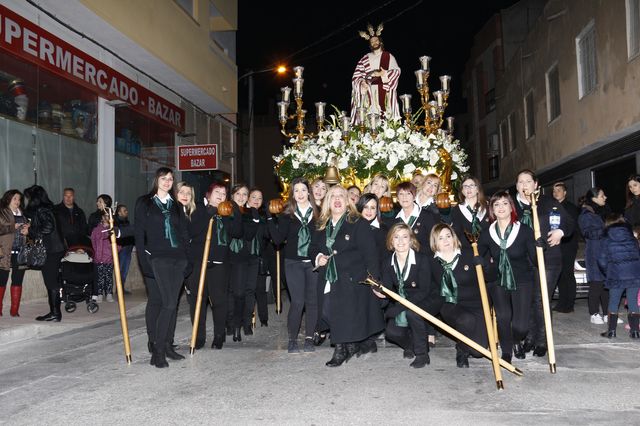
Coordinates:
<point>128,357</point>
<point>192,351</point>
<point>499,385</point>
<point>552,367</point>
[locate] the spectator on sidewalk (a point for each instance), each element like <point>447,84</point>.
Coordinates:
<point>44,227</point>
<point>632,208</point>
<point>569,248</point>
<point>102,202</point>
<point>103,260</point>
<point>72,220</point>
<point>13,231</point>
<point>126,242</point>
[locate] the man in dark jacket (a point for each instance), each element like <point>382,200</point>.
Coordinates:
<point>72,220</point>
<point>569,248</point>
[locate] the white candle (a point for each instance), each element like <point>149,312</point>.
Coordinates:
<point>297,71</point>
<point>297,84</point>
<point>424,62</point>
<point>420,77</point>
<point>445,80</point>
<point>286,93</point>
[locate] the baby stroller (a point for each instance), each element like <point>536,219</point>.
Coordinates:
<point>76,274</point>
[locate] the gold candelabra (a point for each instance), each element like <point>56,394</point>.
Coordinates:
<point>300,113</point>
<point>432,107</point>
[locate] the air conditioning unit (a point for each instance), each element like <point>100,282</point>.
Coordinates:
<point>494,143</point>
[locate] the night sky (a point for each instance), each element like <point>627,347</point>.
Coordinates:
<point>322,37</point>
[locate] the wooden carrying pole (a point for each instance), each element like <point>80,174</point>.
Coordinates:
<point>544,293</point>
<point>203,274</point>
<point>278,296</point>
<point>435,321</point>
<point>487,318</point>
<point>119,288</point>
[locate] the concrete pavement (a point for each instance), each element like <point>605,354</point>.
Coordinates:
<point>79,376</point>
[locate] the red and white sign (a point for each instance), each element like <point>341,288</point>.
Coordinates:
<point>197,157</point>
<point>30,42</point>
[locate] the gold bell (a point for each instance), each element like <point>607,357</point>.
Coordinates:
<point>331,176</point>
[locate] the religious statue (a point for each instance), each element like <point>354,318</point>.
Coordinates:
<point>375,79</point>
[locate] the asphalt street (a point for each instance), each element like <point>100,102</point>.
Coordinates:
<point>78,375</point>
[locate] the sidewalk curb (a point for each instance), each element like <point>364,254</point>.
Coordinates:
<point>39,330</point>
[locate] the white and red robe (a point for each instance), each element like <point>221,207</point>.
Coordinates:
<point>381,93</point>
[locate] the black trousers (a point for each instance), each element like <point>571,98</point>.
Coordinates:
<point>302,286</point>
<point>17,274</point>
<point>162,292</point>
<point>567,281</point>
<point>468,320</point>
<point>51,271</point>
<point>536,323</point>
<point>598,296</point>
<point>262,297</point>
<point>214,295</point>
<point>501,301</point>
<point>412,337</point>
<point>243,285</point>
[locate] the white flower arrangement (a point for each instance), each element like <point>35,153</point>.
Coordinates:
<point>394,149</point>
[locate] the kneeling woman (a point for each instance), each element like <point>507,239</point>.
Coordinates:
<point>455,271</point>
<point>344,246</point>
<point>408,272</point>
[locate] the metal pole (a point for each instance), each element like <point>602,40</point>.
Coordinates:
<point>251,135</point>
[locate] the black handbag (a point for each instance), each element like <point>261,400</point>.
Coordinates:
<point>32,254</point>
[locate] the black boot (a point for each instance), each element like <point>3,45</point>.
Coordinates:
<point>49,316</point>
<point>518,351</point>
<point>57,313</point>
<point>352,350</point>
<point>159,358</point>
<point>339,356</point>
<point>171,353</point>
<point>613,323</point>
<point>368,346</point>
<point>237,337</point>
<point>319,338</point>
<point>248,331</point>
<point>462,358</point>
<point>420,361</point>
<point>540,350</point>
<point>506,356</point>
<point>634,325</point>
<point>218,340</point>
<point>150,346</point>
<point>528,345</point>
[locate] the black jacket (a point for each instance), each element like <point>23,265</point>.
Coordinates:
<point>197,230</point>
<point>632,213</point>
<point>285,230</point>
<point>73,225</point>
<point>422,227</point>
<point>466,279</point>
<point>44,225</point>
<point>355,312</point>
<point>461,223</point>
<point>150,236</point>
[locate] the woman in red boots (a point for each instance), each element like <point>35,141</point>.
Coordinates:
<point>13,230</point>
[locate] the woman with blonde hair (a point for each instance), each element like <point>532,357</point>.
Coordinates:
<point>345,250</point>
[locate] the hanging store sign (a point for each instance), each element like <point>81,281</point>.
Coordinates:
<point>30,42</point>
<point>197,157</point>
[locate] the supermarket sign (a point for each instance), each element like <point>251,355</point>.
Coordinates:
<point>197,157</point>
<point>30,42</point>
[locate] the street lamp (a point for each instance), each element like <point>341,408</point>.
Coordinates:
<point>280,69</point>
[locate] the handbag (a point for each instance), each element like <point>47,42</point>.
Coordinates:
<point>33,254</point>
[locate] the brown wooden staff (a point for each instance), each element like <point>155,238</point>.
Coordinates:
<point>276,206</point>
<point>203,274</point>
<point>435,321</point>
<point>119,288</point>
<point>473,239</point>
<point>544,293</point>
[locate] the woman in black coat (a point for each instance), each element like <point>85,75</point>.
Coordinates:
<point>295,226</point>
<point>632,208</point>
<point>368,207</point>
<point>39,212</point>
<point>161,243</point>
<point>223,229</point>
<point>471,215</point>
<point>343,247</point>
<point>103,202</point>
<point>408,272</point>
<point>512,247</point>
<point>455,276</point>
<point>258,249</point>
<point>244,265</point>
<point>619,259</point>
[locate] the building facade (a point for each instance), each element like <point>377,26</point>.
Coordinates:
<point>566,104</point>
<point>97,94</point>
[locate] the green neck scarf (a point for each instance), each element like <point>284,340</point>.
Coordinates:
<point>507,279</point>
<point>448,284</point>
<point>411,221</point>
<point>304,234</point>
<point>169,232</point>
<point>236,245</point>
<point>256,250</point>
<point>221,232</point>
<point>475,222</point>
<point>526,218</point>
<point>401,318</point>
<point>331,232</point>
